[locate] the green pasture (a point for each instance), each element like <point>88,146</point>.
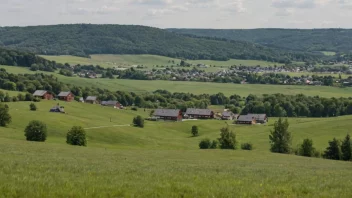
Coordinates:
<point>111,60</point>
<point>195,87</point>
<point>328,53</point>
<point>162,159</point>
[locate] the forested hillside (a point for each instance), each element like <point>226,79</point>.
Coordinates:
<point>336,40</point>
<point>85,39</point>
<point>24,59</point>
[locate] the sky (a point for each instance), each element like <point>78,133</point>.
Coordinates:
<point>224,14</point>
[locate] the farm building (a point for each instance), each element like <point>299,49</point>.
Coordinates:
<point>66,96</point>
<point>92,100</point>
<point>260,118</point>
<point>228,115</point>
<point>168,114</point>
<point>114,104</point>
<point>246,119</point>
<point>43,94</point>
<point>58,109</point>
<point>199,113</point>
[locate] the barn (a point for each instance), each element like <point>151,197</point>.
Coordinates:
<point>168,114</point>
<point>66,96</point>
<point>111,103</point>
<point>260,118</point>
<point>43,94</point>
<point>246,119</point>
<point>91,100</point>
<point>199,113</point>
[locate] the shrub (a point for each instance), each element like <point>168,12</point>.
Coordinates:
<point>5,117</point>
<point>214,144</point>
<point>280,137</point>
<point>36,131</point>
<point>76,136</point>
<point>28,97</point>
<point>36,99</point>
<point>205,143</point>
<point>246,146</point>
<point>194,131</point>
<point>306,149</point>
<point>346,148</point>
<point>32,107</point>
<point>227,139</point>
<point>138,121</point>
<point>333,151</point>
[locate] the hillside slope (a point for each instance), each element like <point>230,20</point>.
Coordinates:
<point>336,40</point>
<point>85,39</point>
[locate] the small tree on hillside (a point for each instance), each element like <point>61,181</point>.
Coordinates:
<point>346,148</point>
<point>280,137</point>
<point>138,121</point>
<point>5,117</point>
<point>333,151</point>
<point>227,139</point>
<point>36,131</point>
<point>32,107</point>
<point>307,149</point>
<point>205,144</point>
<point>76,136</point>
<point>194,131</point>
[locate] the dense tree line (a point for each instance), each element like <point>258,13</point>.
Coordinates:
<point>24,59</point>
<point>310,40</point>
<point>86,39</point>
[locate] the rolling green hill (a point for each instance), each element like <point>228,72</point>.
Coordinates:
<point>161,160</point>
<point>310,40</point>
<point>86,39</point>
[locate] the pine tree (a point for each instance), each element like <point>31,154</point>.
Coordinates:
<point>346,148</point>
<point>333,151</point>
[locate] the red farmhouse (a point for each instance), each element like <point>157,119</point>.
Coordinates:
<point>45,95</point>
<point>66,96</point>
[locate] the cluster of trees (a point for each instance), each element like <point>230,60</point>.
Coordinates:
<point>337,40</point>
<point>227,140</point>
<point>131,39</point>
<point>25,59</point>
<point>280,140</point>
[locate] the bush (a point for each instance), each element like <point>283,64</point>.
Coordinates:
<point>134,109</point>
<point>28,97</point>
<point>227,139</point>
<point>246,146</point>
<point>5,117</point>
<point>205,144</point>
<point>76,136</point>
<point>36,131</point>
<point>194,131</point>
<point>32,107</point>
<point>307,149</point>
<point>36,99</point>
<point>138,121</point>
<point>214,144</point>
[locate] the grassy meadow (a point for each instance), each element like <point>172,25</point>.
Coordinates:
<point>162,159</point>
<point>194,87</point>
<point>110,60</point>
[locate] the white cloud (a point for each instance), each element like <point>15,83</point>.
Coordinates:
<point>285,12</point>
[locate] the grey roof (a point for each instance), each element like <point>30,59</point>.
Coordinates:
<point>64,93</point>
<point>245,118</point>
<point>39,93</point>
<point>92,98</point>
<point>109,103</point>
<point>206,112</point>
<point>258,116</point>
<point>227,114</point>
<point>167,112</point>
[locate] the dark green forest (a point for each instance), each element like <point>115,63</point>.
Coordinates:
<point>24,59</point>
<point>86,39</point>
<point>304,40</point>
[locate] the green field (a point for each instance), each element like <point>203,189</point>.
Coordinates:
<point>195,87</point>
<point>327,53</point>
<point>11,93</point>
<point>107,60</point>
<point>162,160</point>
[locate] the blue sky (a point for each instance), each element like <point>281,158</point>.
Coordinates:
<point>181,13</point>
